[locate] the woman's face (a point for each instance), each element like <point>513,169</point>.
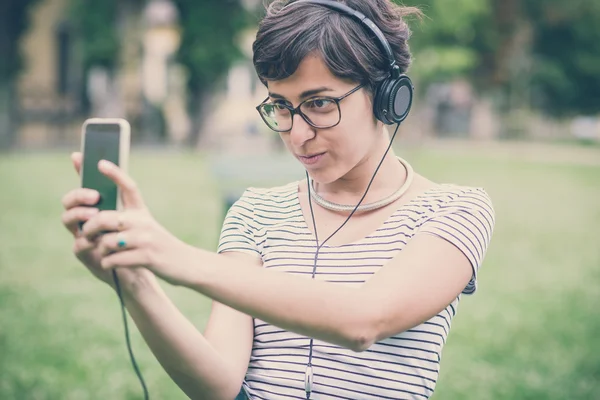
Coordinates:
<point>327,154</point>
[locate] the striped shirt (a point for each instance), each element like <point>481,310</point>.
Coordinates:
<point>269,223</point>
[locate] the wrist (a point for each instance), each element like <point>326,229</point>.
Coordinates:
<point>134,284</point>
<point>194,263</point>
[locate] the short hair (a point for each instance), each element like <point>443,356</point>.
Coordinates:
<point>289,32</point>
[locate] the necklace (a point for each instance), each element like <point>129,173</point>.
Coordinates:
<point>366,207</point>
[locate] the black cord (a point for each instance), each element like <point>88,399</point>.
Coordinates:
<point>127,340</point>
<point>310,351</point>
<point>359,202</point>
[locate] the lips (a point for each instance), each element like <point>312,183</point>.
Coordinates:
<point>311,155</point>
<point>311,159</point>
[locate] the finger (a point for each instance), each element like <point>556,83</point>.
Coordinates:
<point>80,197</point>
<point>132,198</point>
<point>102,222</point>
<point>82,245</point>
<point>77,159</point>
<point>116,241</point>
<point>73,217</point>
<point>127,259</point>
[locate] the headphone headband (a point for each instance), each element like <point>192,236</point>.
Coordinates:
<point>392,98</point>
<point>366,22</point>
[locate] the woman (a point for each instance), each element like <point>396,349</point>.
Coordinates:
<point>303,308</point>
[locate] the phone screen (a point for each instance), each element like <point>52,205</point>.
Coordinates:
<point>101,142</point>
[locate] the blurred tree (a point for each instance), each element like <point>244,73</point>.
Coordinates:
<point>523,52</point>
<point>448,42</point>
<point>95,21</point>
<point>13,23</point>
<point>98,33</point>
<point>209,46</point>
<point>566,48</point>
<point>466,38</point>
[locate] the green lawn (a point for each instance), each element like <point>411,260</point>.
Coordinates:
<point>532,330</point>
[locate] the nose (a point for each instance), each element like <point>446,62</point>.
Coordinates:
<point>301,131</point>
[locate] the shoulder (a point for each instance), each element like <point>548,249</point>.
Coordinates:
<point>277,195</point>
<point>467,198</point>
<point>265,202</point>
<point>462,208</point>
<point>444,195</point>
<point>252,210</point>
<point>274,192</point>
<point>464,216</point>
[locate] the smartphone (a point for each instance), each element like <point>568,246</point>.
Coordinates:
<point>104,139</point>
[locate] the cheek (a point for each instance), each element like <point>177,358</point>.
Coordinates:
<point>360,115</point>
<point>358,129</point>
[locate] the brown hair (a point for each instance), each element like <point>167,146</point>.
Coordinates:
<point>289,32</point>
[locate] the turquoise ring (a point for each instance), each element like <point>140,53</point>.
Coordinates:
<point>121,243</point>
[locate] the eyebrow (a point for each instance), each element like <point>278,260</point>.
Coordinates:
<point>305,94</point>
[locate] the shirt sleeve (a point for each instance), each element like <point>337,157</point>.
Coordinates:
<point>467,221</point>
<point>237,232</point>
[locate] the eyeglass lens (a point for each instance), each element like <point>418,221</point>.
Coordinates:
<point>320,112</point>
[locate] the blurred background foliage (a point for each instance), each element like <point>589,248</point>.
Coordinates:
<point>550,48</point>
<point>525,56</point>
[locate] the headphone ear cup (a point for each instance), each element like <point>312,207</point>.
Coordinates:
<point>381,101</point>
<point>393,100</point>
<point>401,102</point>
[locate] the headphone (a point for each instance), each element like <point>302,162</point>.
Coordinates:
<point>393,96</point>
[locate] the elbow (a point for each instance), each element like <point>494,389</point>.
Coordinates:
<point>360,343</point>
<point>367,330</point>
<point>363,335</point>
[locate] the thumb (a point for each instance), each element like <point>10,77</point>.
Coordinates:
<point>77,158</point>
<point>130,194</point>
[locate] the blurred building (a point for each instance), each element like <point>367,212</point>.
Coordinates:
<point>55,94</point>
<point>47,100</point>
<point>50,101</point>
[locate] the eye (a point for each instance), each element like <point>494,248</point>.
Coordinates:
<point>321,104</point>
<point>279,105</point>
<point>276,109</point>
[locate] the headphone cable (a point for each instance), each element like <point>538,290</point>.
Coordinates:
<point>308,378</point>
<point>127,339</point>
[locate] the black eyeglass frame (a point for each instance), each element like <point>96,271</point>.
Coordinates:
<point>293,111</point>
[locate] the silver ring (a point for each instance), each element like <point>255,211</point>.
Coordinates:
<point>120,223</point>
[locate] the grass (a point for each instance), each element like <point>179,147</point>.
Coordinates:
<point>532,331</point>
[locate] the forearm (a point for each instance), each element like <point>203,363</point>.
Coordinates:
<point>329,312</point>
<point>181,349</point>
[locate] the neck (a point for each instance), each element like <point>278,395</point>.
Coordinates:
<point>351,187</point>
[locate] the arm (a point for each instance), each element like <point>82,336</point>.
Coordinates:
<point>427,275</point>
<point>416,285</point>
<point>204,367</point>
<point>210,367</point>
<point>431,271</point>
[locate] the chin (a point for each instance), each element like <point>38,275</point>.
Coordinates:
<point>325,176</point>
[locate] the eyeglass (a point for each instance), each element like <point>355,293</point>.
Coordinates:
<point>319,112</point>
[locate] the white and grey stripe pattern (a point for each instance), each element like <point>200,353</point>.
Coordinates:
<point>270,223</point>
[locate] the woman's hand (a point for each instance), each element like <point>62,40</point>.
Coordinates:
<point>79,208</point>
<point>132,238</point>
